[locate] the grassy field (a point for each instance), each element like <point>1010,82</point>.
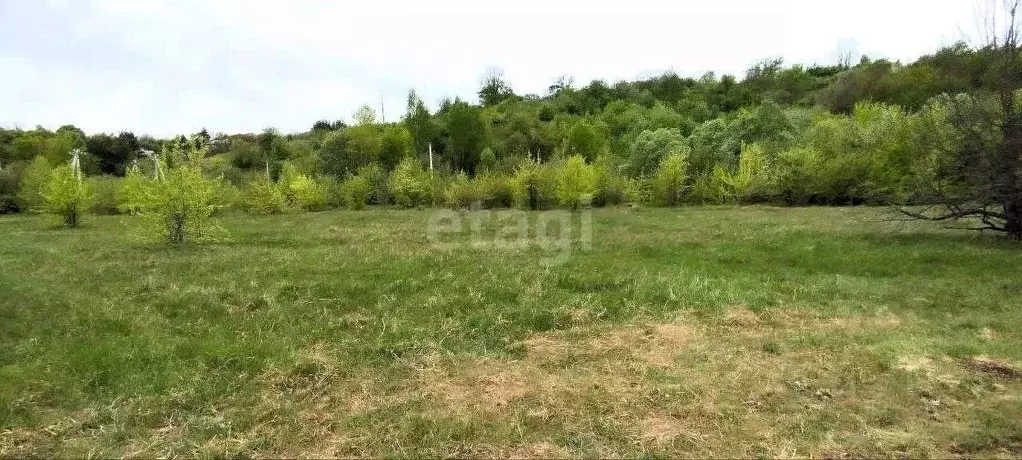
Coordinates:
<point>750,331</point>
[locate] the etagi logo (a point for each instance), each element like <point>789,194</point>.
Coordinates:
<point>556,233</point>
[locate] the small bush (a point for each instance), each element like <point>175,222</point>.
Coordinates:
<point>10,178</point>
<point>705,189</point>
<point>611,187</point>
<point>463,193</point>
<point>355,192</point>
<point>487,160</point>
<point>668,183</point>
<point>534,186</point>
<point>105,190</point>
<point>495,190</point>
<point>301,191</point>
<point>411,185</point>
<point>637,191</point>
<point>263,197</point>
<point>131,192</point>
<point>742,184</point>
<point>331,191</point>
<point>179,206</point>
<point>229,196</point>
<point>67,196</point>
<point>576,183</point>
<point>379,183</point>
<point>221,166</point>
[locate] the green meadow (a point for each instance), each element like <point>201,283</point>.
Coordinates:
<point>695,331</point>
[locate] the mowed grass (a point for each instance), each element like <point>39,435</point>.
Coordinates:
<point>700,331</point>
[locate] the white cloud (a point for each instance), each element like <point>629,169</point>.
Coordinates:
<point>164,67</point>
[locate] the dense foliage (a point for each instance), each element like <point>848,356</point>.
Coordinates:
<point>837,135</point>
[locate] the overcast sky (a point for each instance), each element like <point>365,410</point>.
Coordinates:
<point>174,66</point>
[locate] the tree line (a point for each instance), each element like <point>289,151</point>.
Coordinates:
<point>874,132</point>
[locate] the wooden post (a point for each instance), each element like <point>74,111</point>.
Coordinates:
<point>431,158</point>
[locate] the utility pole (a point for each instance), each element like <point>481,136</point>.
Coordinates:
<point>430,158</point>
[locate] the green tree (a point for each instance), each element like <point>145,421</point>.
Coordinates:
<point>301,191</point>
<point>466,135</point>
<point>585,140</point>
<point>494,88</point>
<point>421,126</point>
<point>364,115</point>
<point>395,144</point>
<point>34,181</point>
<point>113,154</point>
<point>364,145</point>
<point>652,146</point>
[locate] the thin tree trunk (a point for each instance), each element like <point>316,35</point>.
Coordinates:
<point>1013,219</point>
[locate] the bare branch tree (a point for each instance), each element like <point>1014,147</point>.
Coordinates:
<point>976,173</point>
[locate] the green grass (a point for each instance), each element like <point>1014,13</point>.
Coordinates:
<point>699,331</point>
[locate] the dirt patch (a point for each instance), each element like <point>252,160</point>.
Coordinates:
<point>991,367</point>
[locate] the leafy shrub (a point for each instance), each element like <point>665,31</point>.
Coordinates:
<point>437,187</point>
<point>34,180</point>
<point>379,183</point>
<point>105,190</point>
<point>743,183</point>
<point>66,195</point>
<point>355,192</point>
<point>668,183</point>
<point>301,191</point>
<point>638,191</point>
<point>576,183</point>
<point>180,205</point>
<point>610,187</point>
<point>534,186</point>
<point>331,191</point>
<point>463,193</point>
<point>718,142</point>
<point>131,193</point>
<point>495,190</point>
<point>10,177</point>
<point>487,160</point>
<point>411,185</point>
<point>221,166</point>
<point>706,188</point>
<point>263,197</point>
<point>795,175</point>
